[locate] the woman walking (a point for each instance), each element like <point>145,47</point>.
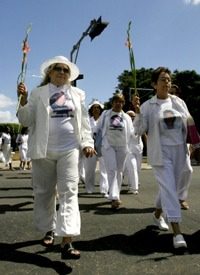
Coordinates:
<point>164,118</point>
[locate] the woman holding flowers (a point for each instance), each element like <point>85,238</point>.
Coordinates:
<point>58,129</point>
<point>164,118</point>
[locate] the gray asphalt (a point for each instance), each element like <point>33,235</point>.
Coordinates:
<point>121,242</point>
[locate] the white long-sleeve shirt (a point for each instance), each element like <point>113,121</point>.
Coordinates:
<point>35,115</point>
<point>148,122</point>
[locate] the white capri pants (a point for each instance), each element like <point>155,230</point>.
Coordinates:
<point>169,178</point>
<point>61,170</point>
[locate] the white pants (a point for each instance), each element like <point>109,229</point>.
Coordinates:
<point>90,165</point>
<point>132,169</point>
<point>23,154</point>
<point>114,158</point>
<point>103,177</point>
<point>169,177</point>
<point>81,167</point>
<point>7,151</point>
<point>185,180</point>
<point>61,170</point>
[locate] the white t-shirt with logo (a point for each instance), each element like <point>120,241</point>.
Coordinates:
<point>171,123</point>
<point>61,120</point>
<point>116,130</point>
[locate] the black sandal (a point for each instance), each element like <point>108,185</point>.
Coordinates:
<point>69,252</point>
<point>48,239</point>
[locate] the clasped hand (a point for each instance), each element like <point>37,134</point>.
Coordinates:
<point>22,91</point>
<point>136,103</point>
<point>89,152</point>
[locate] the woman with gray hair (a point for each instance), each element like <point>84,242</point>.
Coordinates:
<point>58,129</point>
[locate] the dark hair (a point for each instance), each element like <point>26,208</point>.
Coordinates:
<point>7,129</point>
<point>118,96</point>
<point>156,73</point>
<point>24,130</point>
<point>90,111</point>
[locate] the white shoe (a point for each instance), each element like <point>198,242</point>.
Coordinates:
<point>178,241</point>
<point>133,191</point>
<point>105,195</point>
<point>160,222</point>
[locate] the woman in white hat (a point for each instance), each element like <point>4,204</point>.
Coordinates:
<point>58,128</point>
<point>95,109</point>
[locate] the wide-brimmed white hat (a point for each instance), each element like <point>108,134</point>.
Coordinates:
<point>74,70</point>
<point>95,102</point>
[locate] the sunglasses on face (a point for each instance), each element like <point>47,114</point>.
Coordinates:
<point>60,69</point>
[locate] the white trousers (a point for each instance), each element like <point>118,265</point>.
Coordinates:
<point>23,154</point>
<point>185,180</point>
<point>114,158</point>
<point>169,177</point>
<point>90,165</point>
<point>132,169</point>
<point>81,167</point>
<point>59,170</point>
<point>103,177</point>
<point>7,151</point>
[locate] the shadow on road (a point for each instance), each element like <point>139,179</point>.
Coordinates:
<point>143,242</point>
<point>104,208</point>
<point>4,208</point>
<point>10,253</point>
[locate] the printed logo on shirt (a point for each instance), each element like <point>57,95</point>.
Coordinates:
<point>116,123</point>
<point>62,105</point>
<point>171,120</point>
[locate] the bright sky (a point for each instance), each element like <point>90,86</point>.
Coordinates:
<point>163,32</point>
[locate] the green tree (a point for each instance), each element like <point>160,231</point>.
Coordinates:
<point>126,84</point>
<point>189,83</point>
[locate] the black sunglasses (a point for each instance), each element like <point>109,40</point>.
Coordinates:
<point>60,69</point>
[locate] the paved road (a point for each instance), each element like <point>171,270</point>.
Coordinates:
<point>121,243</point>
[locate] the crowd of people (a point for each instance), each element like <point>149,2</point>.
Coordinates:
<point>9,144</point>
<point>61,146</point>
